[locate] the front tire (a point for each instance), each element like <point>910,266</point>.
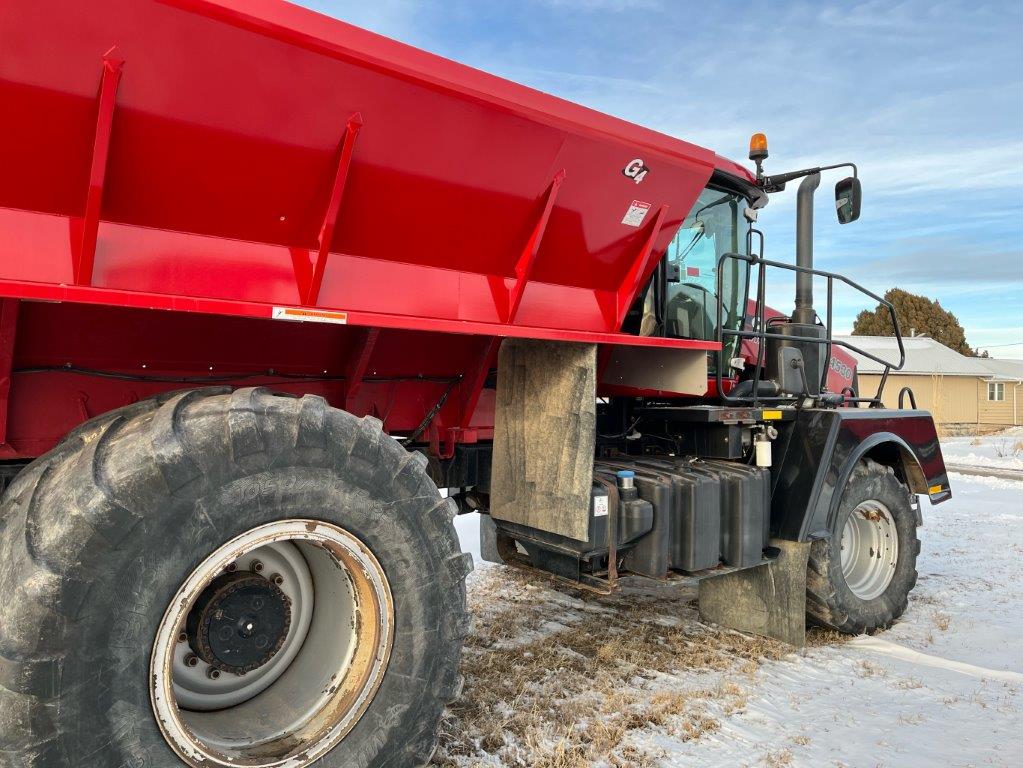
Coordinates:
<point>98,538</point>
<point>859,579</point>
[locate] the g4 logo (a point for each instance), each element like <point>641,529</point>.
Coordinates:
<point>635,170</point>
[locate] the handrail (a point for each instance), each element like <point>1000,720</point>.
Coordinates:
<point>762,334</point>
<point>912,398</point>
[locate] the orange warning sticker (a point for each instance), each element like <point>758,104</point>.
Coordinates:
<point>309,315</point>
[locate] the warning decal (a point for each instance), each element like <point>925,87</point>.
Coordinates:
<point>636,213</point>
<point>309,315</point>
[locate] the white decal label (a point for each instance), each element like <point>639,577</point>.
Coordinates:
<point>309,315</point>
<point>600,506</point>
<point>636,213</point>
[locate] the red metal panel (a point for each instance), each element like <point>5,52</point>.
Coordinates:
<point>399,380</point>
<point>230,130</point>
<point>59,344</point>
<point>47,292</point>
<point>180,271</point>
<point>220,193</point>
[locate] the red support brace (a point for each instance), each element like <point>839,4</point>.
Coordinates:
<point>524,266</point>
<point>642,267</point>
<point>443,439</point>
<point>303,266</point>
<point>359,364</point>
<point>86,252</point>
<point>333,208</point>
<point>8,332</point>
<point>474,386</point>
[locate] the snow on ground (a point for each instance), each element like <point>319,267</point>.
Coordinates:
<point>1002,449</point>
<point>943,687</point>
<point>560,678</point>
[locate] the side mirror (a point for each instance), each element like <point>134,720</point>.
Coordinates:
<point>848,196</point>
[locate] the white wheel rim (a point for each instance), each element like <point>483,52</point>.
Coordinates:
<point>870,550</point>
<point>301,703</point>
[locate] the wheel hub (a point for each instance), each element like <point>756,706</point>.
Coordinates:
<point>239,622</point>
<point>869,549</point>
<point>316,636</point>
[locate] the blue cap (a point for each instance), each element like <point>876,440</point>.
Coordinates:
<point>626,473</point>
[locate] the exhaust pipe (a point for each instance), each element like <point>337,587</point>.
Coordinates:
<point>795,364</point>
<point>804,313</point>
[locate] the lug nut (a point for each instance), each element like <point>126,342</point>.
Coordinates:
<point>213,674</point>
<point>277,579</point>
<point>231,567</point>
<point>191,660</point>
<point>183,637</point>
<point>256,567</point>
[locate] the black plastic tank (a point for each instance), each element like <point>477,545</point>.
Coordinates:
<point>745,510</point>
<point>649,555</point>
<point>694,517</point>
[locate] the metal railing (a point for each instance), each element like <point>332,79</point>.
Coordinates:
<point>912,398</point>
<point>759,331</point>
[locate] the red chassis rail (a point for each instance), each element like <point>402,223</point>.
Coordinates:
<point>245,164</point>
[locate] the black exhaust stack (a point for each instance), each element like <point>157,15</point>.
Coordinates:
<point>796,363</point>
<point>805,313</point>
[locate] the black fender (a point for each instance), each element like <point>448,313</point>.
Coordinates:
<point>817,451</point>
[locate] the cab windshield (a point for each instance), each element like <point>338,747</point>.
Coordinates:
<point>716,225</point>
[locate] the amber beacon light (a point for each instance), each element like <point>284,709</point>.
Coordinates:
<point>758,147</point>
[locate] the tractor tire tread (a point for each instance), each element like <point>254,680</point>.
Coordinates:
<point>65,513</point>
<point>829,603</point>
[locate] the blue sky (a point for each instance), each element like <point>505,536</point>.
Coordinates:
<point>926,97</point>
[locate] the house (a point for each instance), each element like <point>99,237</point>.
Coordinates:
<point>962,392</point>
<point>1004,401</point>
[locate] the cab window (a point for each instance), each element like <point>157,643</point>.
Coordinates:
<point>716,225</point>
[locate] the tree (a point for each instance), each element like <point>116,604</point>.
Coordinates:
<point>923,315</point>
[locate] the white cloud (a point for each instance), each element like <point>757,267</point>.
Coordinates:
<point>962,169</point>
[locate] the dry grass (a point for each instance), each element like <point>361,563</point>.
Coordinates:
<point>1009,448</point>
<point>910,683</point>
<point>867,668</point>
<point>911,719</point>
<point>819,636</point>
<point>562,679</point>
<point>778,759</point>
<point>941,620</point>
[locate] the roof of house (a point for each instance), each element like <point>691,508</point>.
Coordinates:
<point>1011,370</point>
<point>924,355</point>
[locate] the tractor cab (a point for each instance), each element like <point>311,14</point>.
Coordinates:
<point>711,286</point>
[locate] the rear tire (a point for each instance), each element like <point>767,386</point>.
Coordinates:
<point>866,587</point>
<point>97,537</point>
